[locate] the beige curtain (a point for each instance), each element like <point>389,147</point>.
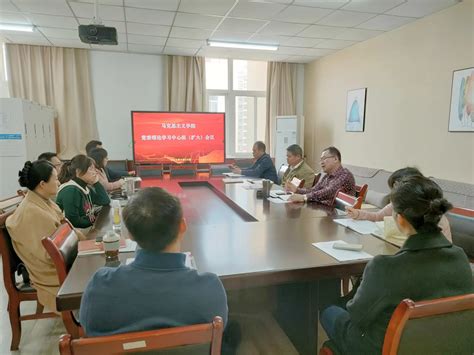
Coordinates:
<point>57,77</point>
<point>186,84</point>
<point>281,97</point>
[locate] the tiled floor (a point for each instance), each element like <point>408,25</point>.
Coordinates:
<point>41,336</point>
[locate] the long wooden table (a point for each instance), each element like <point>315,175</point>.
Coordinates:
<point>250,243</point>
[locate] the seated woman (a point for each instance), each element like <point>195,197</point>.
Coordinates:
<point>387,210</point>
<point>100,157</point>
<point>37,216</point>
<point>81,193</point>
<point>428,266</point>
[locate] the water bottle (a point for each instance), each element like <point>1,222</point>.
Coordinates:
<point>117,218</point>
<point>111,246</point>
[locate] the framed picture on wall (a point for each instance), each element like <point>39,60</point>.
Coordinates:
<point>355,110</point>
<point>461,114</point>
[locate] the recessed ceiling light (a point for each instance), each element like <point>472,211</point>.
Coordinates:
<point>265,47</point>
<point>13,27</point>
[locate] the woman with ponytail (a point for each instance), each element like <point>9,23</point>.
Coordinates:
<point>37,216</point>
<point>81,194</point>
<point>427,266</point>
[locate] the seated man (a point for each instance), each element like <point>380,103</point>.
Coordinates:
<point>336,178</point>
<point>297,167</point>
<point>112,174</point>
<point>53,159</point>
<point>262,168</point>
<point>156,290</point>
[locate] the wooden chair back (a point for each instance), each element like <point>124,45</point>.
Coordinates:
<point>145,341</point>
<point>441,326</point>
<point>10,259</point>
<point>361,191</point>
<point>344,200</point>
<point>62,248</point>
<point>316,179</point>
<point>11,203</point>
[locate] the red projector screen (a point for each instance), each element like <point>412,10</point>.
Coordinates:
<point>178,137</point>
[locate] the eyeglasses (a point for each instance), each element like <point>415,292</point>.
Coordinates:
<point>324,158</point>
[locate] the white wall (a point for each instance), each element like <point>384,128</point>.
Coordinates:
<point>122,82</point>
<point>408,74</point>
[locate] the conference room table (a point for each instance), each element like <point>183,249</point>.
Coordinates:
<point>250,243</point>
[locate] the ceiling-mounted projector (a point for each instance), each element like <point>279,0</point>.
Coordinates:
<point>98,34</point>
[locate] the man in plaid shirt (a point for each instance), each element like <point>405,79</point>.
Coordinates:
<point>336,178</point>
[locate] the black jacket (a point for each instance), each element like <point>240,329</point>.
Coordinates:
<point>428,266</point>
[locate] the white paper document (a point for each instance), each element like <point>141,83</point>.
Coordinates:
<point>362,227</point>
<point>232,180</point>
<point>340,254</point>
<point>232,175</point>
<point>253,185</point>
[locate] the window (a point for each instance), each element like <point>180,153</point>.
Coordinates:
<point>237,87</point>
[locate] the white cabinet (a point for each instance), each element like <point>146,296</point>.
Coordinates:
<point>26,130</point>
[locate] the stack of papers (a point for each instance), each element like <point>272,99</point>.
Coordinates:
<point>342,255</point>
<point>362,227</point>
<point>253,185</point>
<point>90,247</point>
<point>232,180</point>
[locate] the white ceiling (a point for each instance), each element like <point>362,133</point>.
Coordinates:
<point>304,29</point>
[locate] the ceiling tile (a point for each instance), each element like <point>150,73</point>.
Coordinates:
<point>282,28</point>
<point>304,51</point>
<point>300,59</point>
<point>13,17</point>
<point>374,6</point>
<point>385,22</point>
<point>207,7</point>
<point>68,43</point>
<point>154,17</point>
<point>260,10</point>
<point>103,2</point>
<point>53,21</point>
<point>241,25</point>
<point>301,14</point>
<point>185,43</point>
<point>179,51</point>
<point>335,44</point>
<point>265,39</point>
<point>356,34</point>
<point>299,41</point>
<point>168,5</point>
<point>229,36</point>
<point>119,25</point>
<point>321,31</point>
<point>49,7</point>
<point>325,4</point>
<point>191,33</point>
<point>23,39</point>
<point>417,8</point>
<point>106,12</point>
<point>59,33</point>
<point>137,39</point>
<point>141,48</point>
<point>146,29</point>
<point>345,18</point>
<point>196,21</point>
<point>6,5</point>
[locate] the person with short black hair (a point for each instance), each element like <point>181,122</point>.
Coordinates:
<point>387,210</point>
<point>36,217</point>
<point>53,159</point>
<point>263,167</point>
<point>100,157</point>
<point>336,178</point>
<point>93,144</point>
<point>157,290</point>
<point>297,167</point>
<point>427,266</point>
<point>81,195</point>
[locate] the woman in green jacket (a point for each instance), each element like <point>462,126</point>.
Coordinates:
<point>81,195</point>
<point>427,267</point>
